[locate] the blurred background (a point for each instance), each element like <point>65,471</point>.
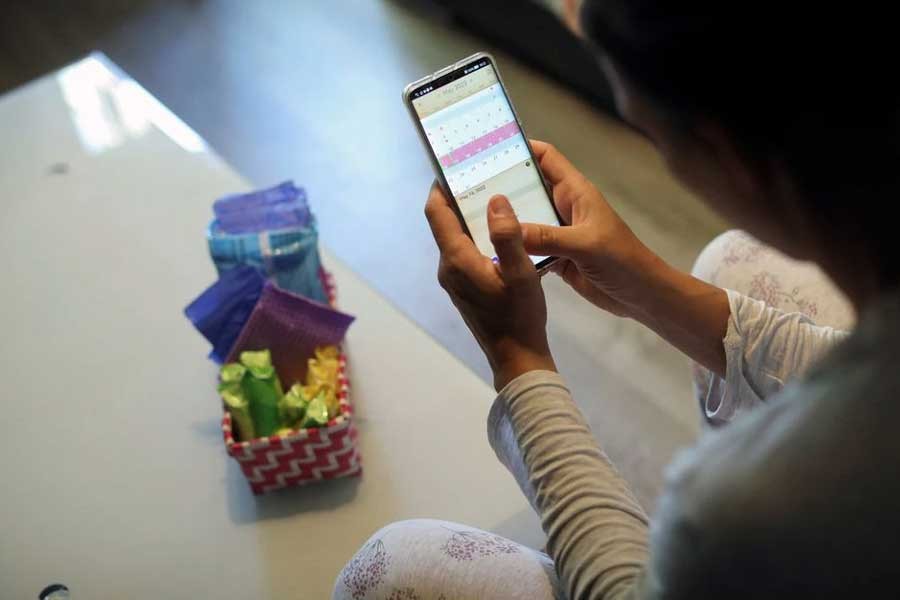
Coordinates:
<point>310,90</point>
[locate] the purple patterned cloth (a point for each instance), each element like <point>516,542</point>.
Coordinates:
<point>291,327</point>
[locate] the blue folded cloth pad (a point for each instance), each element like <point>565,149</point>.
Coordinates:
<point>272,230</point>
<point>222,310</point>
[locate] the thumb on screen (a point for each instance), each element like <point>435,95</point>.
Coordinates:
<point>550,240</point>
<point>506,236</point>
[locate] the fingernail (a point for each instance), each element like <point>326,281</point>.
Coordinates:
<point>500,206</point>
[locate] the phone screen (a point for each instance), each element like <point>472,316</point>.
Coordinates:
<point>471,128</point>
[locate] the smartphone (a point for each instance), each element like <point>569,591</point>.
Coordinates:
<point>478,148</point>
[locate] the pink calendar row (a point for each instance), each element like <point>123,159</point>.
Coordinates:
<point>480,144</point>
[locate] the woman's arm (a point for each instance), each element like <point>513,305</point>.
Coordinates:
<point>596,530</point>
<point>605,262</point>
<point>690,314</point>
<point>608,265</point>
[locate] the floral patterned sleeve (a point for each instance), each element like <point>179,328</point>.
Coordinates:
<point>764,349</point>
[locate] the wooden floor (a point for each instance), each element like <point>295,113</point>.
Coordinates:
<point>310,90</point>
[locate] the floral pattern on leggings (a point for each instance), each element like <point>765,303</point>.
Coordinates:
<point>404,594</point>
<point>742,249</point>
<point>469,545</point>
<point>367,570</point>
<point>429,559</point>
<point>409,594</point>
<point>767,287</point>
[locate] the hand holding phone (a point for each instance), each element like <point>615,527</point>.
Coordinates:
<point>478,148</point>
<point>502,303</point>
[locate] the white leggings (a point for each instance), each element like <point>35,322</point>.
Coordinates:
<point>425,559</point>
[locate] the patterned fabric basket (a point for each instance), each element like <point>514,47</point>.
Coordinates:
<point>306,455</point>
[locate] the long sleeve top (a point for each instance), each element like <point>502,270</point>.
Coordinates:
<point>797,496</point>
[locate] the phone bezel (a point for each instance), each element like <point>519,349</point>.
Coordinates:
<point>453,69</point>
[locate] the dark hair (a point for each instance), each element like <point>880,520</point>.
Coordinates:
<point>811,85</point>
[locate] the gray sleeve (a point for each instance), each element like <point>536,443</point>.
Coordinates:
<point>764,349</point>
<point>596,530</point>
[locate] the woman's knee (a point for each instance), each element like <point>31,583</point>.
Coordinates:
<point>711,259</point>
<point>425,558</point>
<point>378,565</point>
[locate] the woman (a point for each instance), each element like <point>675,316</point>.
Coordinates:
<point>769,113</point>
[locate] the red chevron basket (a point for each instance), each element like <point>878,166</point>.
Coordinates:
<point>304,456</point>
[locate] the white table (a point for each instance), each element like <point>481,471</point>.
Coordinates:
<point>115,478</point>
